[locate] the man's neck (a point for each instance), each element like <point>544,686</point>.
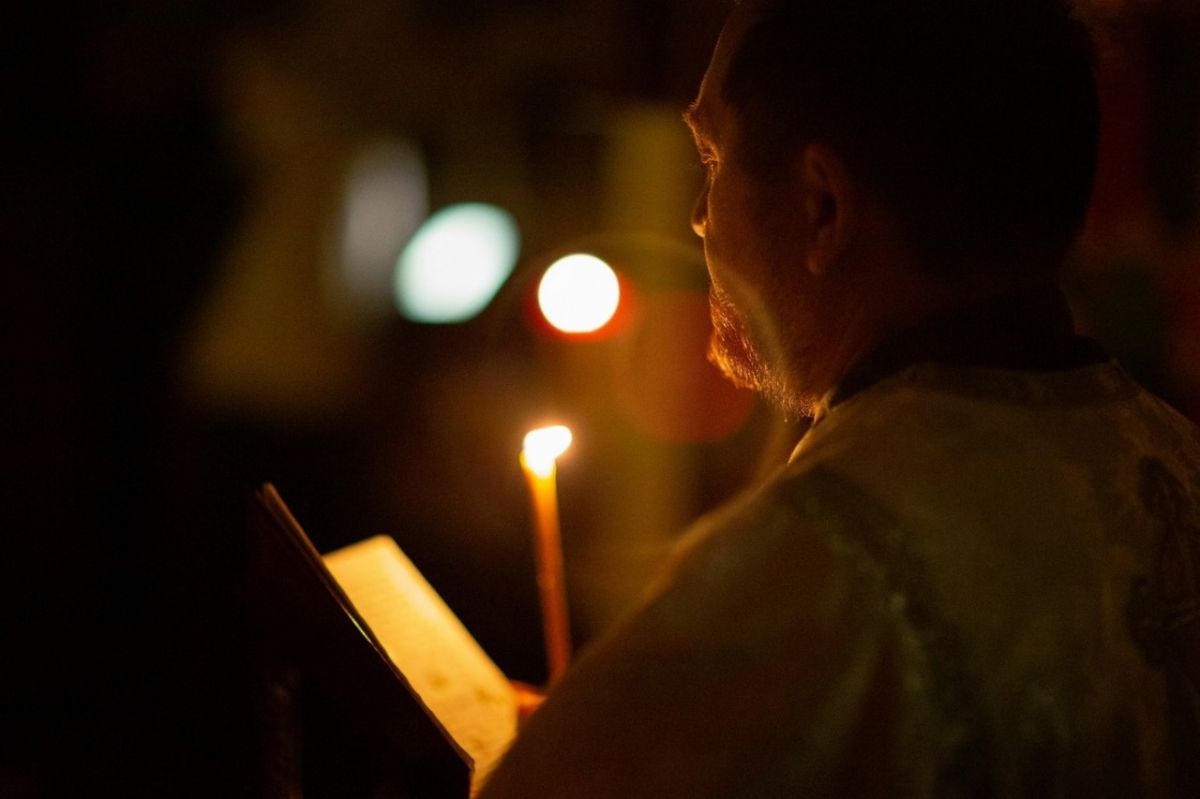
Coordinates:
<point>1028,328</point>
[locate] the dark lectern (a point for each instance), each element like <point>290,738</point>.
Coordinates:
<point>335,717</point>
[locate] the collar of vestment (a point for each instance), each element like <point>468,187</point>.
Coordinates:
<point>1030,329</point>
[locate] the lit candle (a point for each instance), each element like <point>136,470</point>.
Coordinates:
<point>542,447</point>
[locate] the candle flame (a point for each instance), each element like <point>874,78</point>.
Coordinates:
<point>543,445</point>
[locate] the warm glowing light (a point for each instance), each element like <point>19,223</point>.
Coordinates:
<point>579,293</point>
<point>455,264</point>
<point>543,446</point>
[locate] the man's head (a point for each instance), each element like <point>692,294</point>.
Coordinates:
<point>872,154</point>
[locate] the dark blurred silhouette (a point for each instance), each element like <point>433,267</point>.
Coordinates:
<point>118,193</point>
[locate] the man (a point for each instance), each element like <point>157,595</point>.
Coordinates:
<point>979,573</point>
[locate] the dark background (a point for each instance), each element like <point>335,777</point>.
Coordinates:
<point>153,150</point>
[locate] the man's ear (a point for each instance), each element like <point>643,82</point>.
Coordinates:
<point>829,206</point>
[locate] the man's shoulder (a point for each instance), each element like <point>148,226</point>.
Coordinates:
<point>932,417</point>
<point>810,521</point>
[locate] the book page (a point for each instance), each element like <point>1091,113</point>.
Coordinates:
<point>429,645</point>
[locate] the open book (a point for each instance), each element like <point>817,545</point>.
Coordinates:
<point>377,640</point>
<point>465,691</point>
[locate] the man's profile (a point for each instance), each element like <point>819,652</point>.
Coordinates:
<point>979,572</point>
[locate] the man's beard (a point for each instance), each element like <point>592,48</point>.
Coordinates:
<point>730,348</point>
<point>755,362</point>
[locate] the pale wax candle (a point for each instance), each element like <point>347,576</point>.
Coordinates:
<point>542,447</point>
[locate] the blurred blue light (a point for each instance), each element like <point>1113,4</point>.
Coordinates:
<point>454,265</point>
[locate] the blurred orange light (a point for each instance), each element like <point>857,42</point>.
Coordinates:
<point>579,293</point>
<point>665,383</point>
